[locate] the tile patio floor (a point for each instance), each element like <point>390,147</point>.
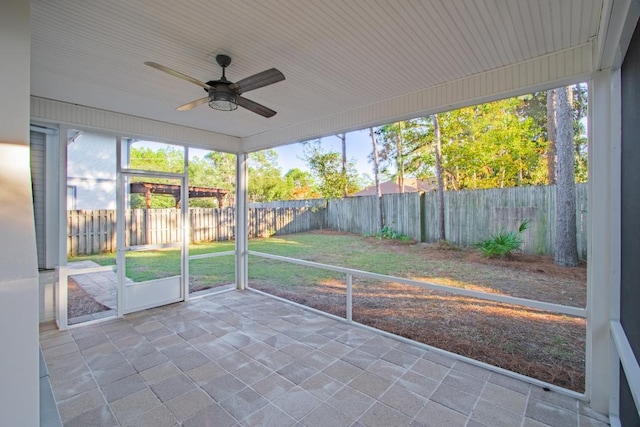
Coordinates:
<point>245,359</point>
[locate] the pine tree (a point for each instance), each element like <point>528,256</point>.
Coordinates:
<point>566,253</point>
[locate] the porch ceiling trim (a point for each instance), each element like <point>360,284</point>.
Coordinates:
<point>545,72</point>
<point>51,111</point>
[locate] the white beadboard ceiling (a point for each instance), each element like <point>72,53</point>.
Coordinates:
<point>348,64</point>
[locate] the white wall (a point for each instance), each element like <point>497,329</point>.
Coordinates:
<point>19,365</point>
<point>47,283</point>
<point>91,169</point>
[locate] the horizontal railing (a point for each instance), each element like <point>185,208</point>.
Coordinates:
<point>350,272</point>
<point>627,360</point>
<point>211,255</point>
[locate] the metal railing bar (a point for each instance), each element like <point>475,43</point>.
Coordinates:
<point>538,305</point>
<point>628,360</point>
<point>222,290</point>
<point>152,174</point>
<point>211,255</point>
<point>138,248</point>
<point>90,270</point>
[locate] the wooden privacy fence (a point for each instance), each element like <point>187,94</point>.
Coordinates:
<point>470,216</point>
<point>359,214</point>
<point>91,232</point>
<point>94,231</point>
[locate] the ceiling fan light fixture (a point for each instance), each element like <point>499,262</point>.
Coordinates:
<point>224,95</point>
<point>222,101</point>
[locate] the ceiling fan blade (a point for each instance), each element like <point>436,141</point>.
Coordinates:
<point>193,104</point>
<point>255,107</point>
<point>257,81</point>
<point>177,74</point>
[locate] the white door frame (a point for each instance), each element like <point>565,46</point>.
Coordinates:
<point>133,298</point>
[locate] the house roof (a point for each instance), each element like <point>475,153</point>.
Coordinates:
<point>348,65</point>
<point>411,185</point>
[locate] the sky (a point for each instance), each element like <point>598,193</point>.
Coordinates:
<point>358,150</point>
<point>291,156</point>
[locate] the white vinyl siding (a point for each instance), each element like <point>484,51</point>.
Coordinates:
<point>109,122</point>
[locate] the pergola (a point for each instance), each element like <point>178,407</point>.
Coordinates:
<point>151,188</point>
<point>348,65</point>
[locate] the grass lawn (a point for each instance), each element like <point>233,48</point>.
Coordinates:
<point>538,344</point>
<point>149,265</point>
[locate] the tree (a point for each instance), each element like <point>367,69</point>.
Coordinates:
<point>326,169</point>
<point>565,252</point>
<point>438,156</point>
<point>343,139</point>
<point>551,137</point>
<point>491,145</point>
<point>403,150</point>
<point>214,170</point>
<point>392,152</point>
<point>399,137</point>
<point>164,160</point>
<point>376,174</point>
<point>223,170</point>
<point>579,100</point>
<point>265,178</point>
<point>300,185</point>
<point>167,159</point>
<point>536,107</point>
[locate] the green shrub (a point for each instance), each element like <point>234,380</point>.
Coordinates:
<point>504,243</point>
<point>391,234</point>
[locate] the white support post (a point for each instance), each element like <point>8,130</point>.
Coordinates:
<point>53,200</point>
<point>603,269</point>
<point>60,296</point>
<point>242,234</point>
<point>121,222</point>
<point>615,194</point>
<point>186,235</point>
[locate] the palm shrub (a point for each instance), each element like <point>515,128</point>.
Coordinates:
<point>504,243</point>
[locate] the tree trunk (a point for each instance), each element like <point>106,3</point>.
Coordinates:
<point>400,157</point>
<point>551,137</point>
<point>343,138</point>
<point>566,253</point>
<point>376,174</point>
<point>438,153</point>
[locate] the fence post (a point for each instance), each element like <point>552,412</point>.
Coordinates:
<point>423,228</point>
<point>349,298</point>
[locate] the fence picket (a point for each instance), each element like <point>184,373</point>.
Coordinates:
<point>469,217</point>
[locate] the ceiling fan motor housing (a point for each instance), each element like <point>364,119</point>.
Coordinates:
<point>223,60</point>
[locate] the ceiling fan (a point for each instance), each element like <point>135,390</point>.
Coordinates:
<point>223,94</point>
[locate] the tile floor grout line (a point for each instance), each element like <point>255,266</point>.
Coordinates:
<point>235,312</point>
<point>477,401</point>
<point>198,386</point>
<point>526,405</point>
<point>98,387</point>
<point>137,372</point>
